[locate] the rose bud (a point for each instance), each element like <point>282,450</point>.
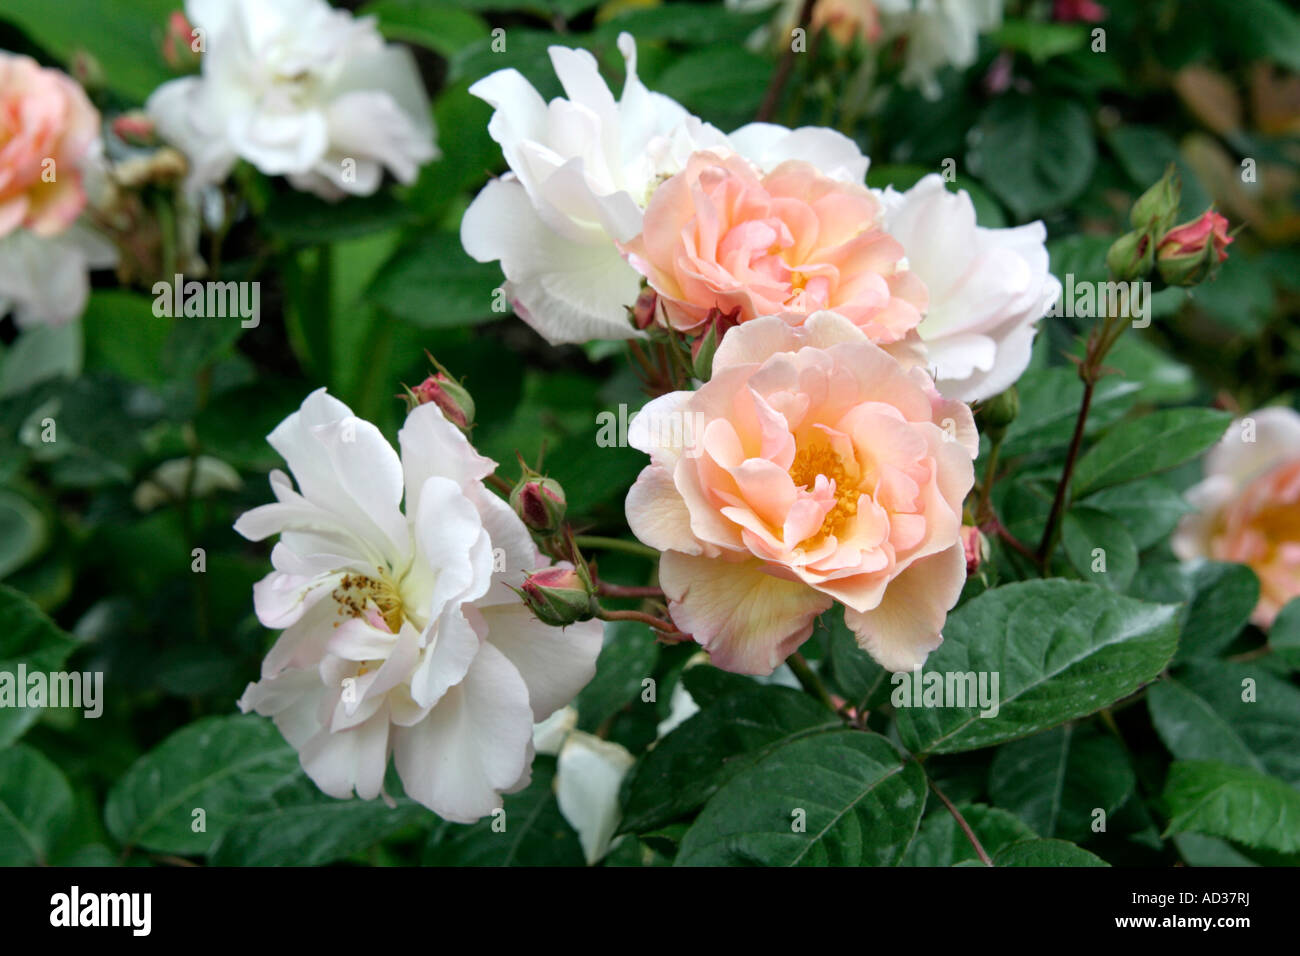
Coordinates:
<point>448,394</point>
<point>976,547</point>
<point>647,305</point>
<point>178,46</point>
<point>1191,253</point>
<point>1131,256</point>
<point>1156,208</point>
<point>558,596</point>
<point>540,503</point>
<point>135,129</point>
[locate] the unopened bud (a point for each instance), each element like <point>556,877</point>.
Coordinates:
<point>1156,209</point>
<point>1131,256</point>
<point>540,504</point>
<point>180,47</point>
<point>135,129</point>
<point>559,596</point>
<point>1190,253</point>
<point>647,305</point>
<point>87,71</point>
<point>702,352</point>
<point>996,414</point>
<point>448,394</point>
<point>976,547</point>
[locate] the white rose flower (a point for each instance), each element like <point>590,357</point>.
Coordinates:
<point>589,773</point>
<point>988,287</point>
<point>939,33</point>
<point>400,633</point>
<point>46,280</point>
<point>583,168</point>
<point>298,89</point>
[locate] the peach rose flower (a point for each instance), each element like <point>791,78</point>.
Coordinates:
<point>1248,507</point>
<point>722,235</point>
<point>817,468</point>
<point>47,128</point>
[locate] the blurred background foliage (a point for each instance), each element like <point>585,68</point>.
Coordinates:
<point>352,293</point>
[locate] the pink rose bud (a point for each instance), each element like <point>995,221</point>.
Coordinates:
<point>976,547</point>
<point>559,596</point>
<point>1086,10</point>
<point>448,394</point>
<point>1190,253</point>
<point>643,313</point>
<point>180,42</point>
<point>135,129</point>
<point>540,504</point>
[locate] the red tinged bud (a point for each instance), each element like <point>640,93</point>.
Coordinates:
<point>540,504</point>
<point>559,596</point>
<point>1190,253</point>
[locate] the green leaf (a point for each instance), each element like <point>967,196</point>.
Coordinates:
<point>227,766</point>
<point>723,85</point>
<point>1220,598</point>
<point>535,833</point>
<point>1149,509</point>
<point>1049,405</point>
<point>725,738</point>
<point>1060,650</point>
<point>1147,445</point>
<point>126,38</point>
<point>1284,635</point>
<point>627,658</point>
<point>843,798</point>
<point>35,806</point>
<point>1035,153</point>
<point>1236,803</point>
<point>1201,715</point>
<point>1145,152</point>
<point>308,828</point>
<point>41,352</point>
<point>124,336</point>
<point>302,219</point>
<point>23,532</point>
<point>941,841</point>
<point>1046,853</point>
<point>27,637</point>
<point>1041,41</point>
<point>1100,548</point>
<point>440,27</point>
<point>1260,29</point>
<point>860,679</point>
<point>688,23</point>
<point>434,284</point>
<point>1056,780</point>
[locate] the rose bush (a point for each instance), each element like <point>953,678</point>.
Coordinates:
<point>860,432</point>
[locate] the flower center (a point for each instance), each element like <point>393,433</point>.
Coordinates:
<point>357,593</point>
<point>813,461</point>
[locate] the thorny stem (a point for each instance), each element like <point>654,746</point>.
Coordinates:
<point>809,681</point>
<point>961,822</point>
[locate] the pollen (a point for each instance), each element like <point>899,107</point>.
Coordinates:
<point>357,592</point>
<point>812,461</point>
